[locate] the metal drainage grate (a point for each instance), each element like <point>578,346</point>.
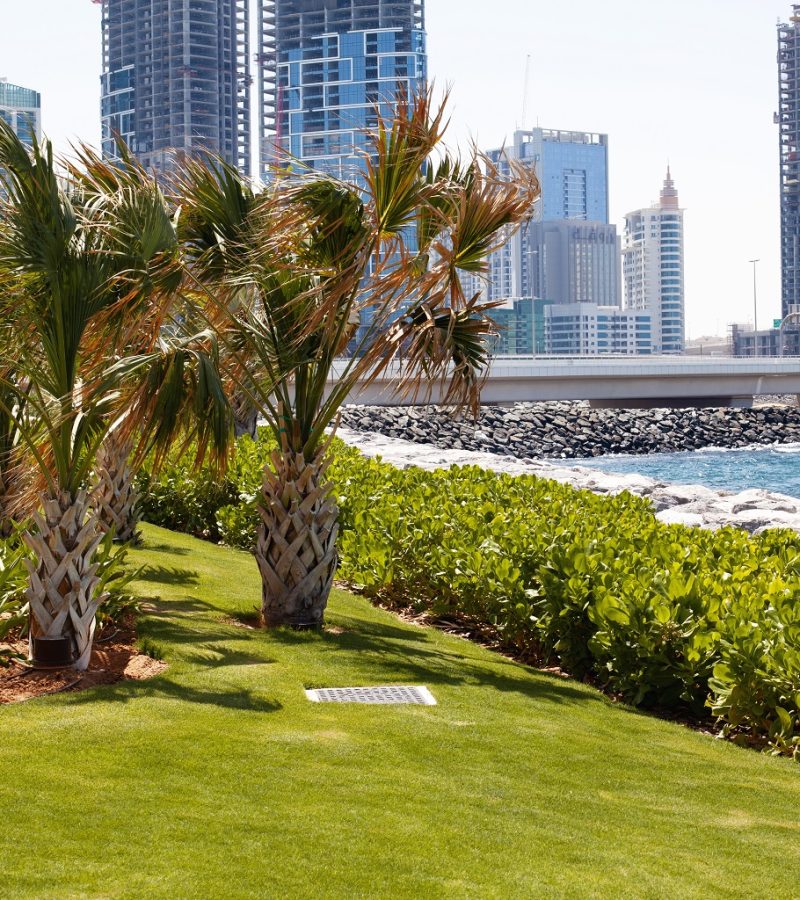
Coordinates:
<point>388,694</point>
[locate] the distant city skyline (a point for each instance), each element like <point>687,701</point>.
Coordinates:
<point>21,108</point>
<point>695,86</point>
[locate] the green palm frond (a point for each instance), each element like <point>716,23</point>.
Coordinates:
<point>94,260</point>
<point>446,180</point>
<point>399,150</point>
<point>175,392</point>
<point>332,215</point>
<point>216,214</point>
<point>487,206</point>
<point>441,344</point>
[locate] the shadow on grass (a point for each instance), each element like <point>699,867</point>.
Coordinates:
<point>217,656</point>
<point>381,653</point>
<point>194,624</point>
<point>389,654</point>
<point>169,575</point>
<point>161,547</point>
<point>163,687</point>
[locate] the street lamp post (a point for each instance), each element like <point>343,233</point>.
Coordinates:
<point>755,310</point>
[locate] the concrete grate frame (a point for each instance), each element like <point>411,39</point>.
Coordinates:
<point>384,694</point>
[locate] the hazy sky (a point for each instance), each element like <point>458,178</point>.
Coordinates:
<point>689,81</point>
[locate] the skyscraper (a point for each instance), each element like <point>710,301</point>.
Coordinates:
<point>586,329</point>
<point>788,120</point>
<point>21,108</point>
<point>571,261</point>
<point>325,66</point>
<point>572,167</point>
<point>653,267</point>
<point>176,77</point>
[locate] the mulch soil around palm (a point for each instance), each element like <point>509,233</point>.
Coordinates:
<point>115,657</point>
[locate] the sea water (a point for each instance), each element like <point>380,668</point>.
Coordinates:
<point>774,468</point>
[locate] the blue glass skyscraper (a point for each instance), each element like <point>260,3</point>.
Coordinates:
<point>572,167</point>
<point>21,108</point>
<point>556,257</point>
<point>788,120</point>
<point>327,68</point>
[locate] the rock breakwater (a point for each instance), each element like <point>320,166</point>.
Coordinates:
<point>575,430</point>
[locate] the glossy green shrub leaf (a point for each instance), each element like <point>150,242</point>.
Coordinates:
<point>662,616</point>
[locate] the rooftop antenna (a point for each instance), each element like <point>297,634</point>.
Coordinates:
<point>525,92</point>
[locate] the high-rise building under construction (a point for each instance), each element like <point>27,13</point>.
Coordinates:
<point>788,120</point>
<point>326,68</point>
<point>176,77</point>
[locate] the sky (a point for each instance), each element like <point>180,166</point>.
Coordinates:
<point>689,82</point>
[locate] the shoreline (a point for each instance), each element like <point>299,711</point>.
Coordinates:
<point>789,446</point>
<point>754,510</point>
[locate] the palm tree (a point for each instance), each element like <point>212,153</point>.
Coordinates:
<point>85,266</point>
<point>314,270</point>
<point>168,376</point>
<point>14,474</point>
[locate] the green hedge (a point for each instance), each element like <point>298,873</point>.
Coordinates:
<point>662,616</point>
<point>12,587</point>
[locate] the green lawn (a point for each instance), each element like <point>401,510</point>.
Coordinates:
<point>219,779</point>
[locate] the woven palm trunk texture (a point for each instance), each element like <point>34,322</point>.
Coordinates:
<point>115,496</point>
<point>62,578</point>
<point>296,545</point>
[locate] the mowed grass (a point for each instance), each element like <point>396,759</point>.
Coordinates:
<point>219,778</point>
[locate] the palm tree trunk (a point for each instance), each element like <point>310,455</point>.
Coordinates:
<point>115,496</point>
<point>62,577</point>
<point>296,545</point>
<point>245,416</point>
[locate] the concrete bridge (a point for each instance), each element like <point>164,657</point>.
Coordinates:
<point>624,381</point>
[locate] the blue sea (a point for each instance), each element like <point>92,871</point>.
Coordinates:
<point>775,468</point>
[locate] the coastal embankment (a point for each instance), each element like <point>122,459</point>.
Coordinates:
<point>575,430</point>
<point>435,445</point>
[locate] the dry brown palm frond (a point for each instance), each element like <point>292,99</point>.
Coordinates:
<point>372,271</point>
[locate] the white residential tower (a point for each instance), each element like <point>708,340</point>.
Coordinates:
<point>652,268</point>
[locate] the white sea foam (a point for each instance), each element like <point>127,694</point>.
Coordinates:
<point>786,448</point>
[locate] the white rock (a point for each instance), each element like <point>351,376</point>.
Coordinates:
<point>756,498</point>
<point>605,483</point>
<point>756,519</point>
<point>677,516</point>
<point>689,493</point>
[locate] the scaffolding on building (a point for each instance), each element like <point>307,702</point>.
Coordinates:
<point>176,77</point>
